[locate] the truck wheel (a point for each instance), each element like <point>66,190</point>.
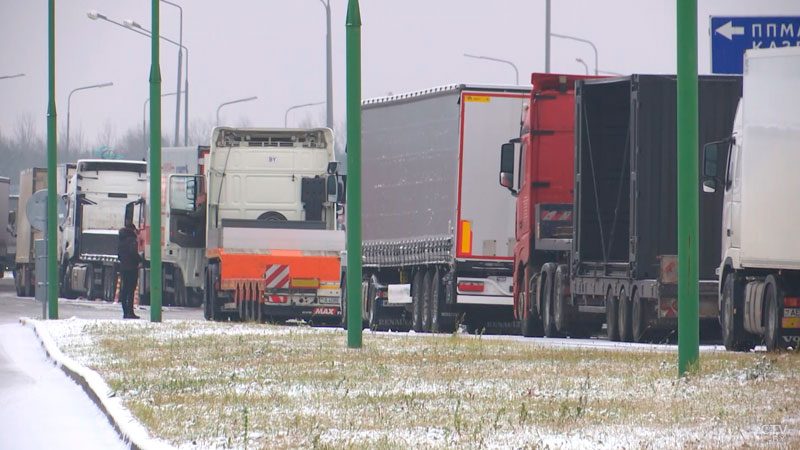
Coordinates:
<point>426,300</point>
<point>375,307</point>
<point>560,299</point>
<point>180,288</point>
<point>731,316</point>
<point>548,321</point>
<point>17,283</point>
<point>612,322</point>
<point>343,290</point>
<point>638,317</point>
<point>91,282</point>
<point>773,305</point>
<point>416,301</point>
<point>436,302</point>
<point>625,326</point>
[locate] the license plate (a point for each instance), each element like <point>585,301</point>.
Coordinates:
<point>791,312</point>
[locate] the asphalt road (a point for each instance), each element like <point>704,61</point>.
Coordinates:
<point>13,307</point>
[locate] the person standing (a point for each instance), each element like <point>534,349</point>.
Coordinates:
<point>129,259</point>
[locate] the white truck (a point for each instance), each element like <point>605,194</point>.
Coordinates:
<point>438,235</point>
<point>272,244</point>
<point>95,199</point>
<point>6,237</point>
<point>31,180</point>
<point>183,250</point>
<point>759,273</point>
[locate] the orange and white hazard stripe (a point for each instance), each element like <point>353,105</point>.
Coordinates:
<point>276,276</point>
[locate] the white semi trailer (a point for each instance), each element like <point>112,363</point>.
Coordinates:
<point>759,274</point>
<point>438,235</point>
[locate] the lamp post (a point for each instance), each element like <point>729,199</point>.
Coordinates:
<point>133,25</point>
<point>241,100</point>
<point>328,65</point>
<point>286,115</point>
<point>585,67</point>
<point>144,119</point>
<point>489,58</point>
<point>585,41</point>
<point>136,28</point>
<point>180,64</point>
<point>5,77</point>
<point>69,101</point>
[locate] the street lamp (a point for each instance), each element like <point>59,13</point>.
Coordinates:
<point>286,115</point>
<point>144,119</point>
<point>5,77</point>
<point>516,72</point>
<point>241,100</point>
<point>180,64</point>
<point>69,101</point>
<point>586,67</point>
<point>329,65</point>
<point>136,28</point>
<point>585,41</point>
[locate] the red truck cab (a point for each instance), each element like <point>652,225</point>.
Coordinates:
<point>544,186</point>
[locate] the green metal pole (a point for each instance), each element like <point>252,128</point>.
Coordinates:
<point>353,175</point>
<point>52,163</point>
<point>155,171</point>
<point>688,190</point>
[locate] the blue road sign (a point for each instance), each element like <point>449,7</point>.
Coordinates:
<point>731,36</point>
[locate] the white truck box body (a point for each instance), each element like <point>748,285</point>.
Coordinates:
<point>770,208</point>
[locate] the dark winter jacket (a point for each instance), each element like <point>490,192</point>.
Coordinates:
<point>127,250</point>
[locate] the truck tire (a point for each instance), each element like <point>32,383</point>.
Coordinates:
<point>343,290</point>
<point>560,299</point>
<point>436,299</point>
<point>773,308</point>
<point>180,295</point>
<point>731,316</point>
<point>548,321</point>
<point>416,301</point>
<point>426,299</point>
<point>625,313</point>
<point>638,317</point>
<point>612,320</point>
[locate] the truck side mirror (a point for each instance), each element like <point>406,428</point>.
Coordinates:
<point>332,189</point>
<point>711,166</point>
<point>507,166</point>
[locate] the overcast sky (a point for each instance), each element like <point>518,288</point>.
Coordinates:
<point>275,49</point>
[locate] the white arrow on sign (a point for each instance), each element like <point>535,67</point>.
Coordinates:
<point>728,30</point>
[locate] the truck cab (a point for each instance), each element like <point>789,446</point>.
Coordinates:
<point>95,198</point>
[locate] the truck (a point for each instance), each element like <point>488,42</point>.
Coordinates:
<point>31,180</point>
<point>272,245</point>
<point>6,238</point>
<point>610,254</point>
<point>183,250</point>
<point>754,168</point>
<point>438,239</point>
<point>95,200</point>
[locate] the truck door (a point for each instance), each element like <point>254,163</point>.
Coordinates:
<point>186,198</point>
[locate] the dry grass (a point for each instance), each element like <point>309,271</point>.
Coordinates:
<point>261,386</point>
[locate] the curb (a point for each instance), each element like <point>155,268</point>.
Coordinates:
<point>129,429</point>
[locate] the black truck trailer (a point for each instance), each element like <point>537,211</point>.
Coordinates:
<point>621,268</point>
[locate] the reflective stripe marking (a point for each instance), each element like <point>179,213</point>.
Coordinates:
<point>485,300</point>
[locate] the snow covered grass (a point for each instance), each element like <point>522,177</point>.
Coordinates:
<point>226,385</point>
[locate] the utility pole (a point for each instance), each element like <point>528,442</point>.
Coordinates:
<point>52,164</point>
<point>155,169</point>
<point>547,37</point>
<point>688,190</point>
<point>353,25</point>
